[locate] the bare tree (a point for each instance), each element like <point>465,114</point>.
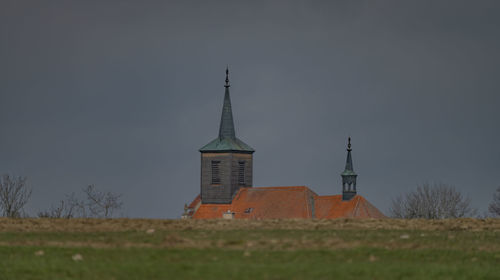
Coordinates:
<point>69,208</point>
<point>100,204</point>
<point>77,207</point>
<point>96,204</point>
<point>494,207</point>
<point>54,211</point>
<point>439,201</point>
<point>14,194</point>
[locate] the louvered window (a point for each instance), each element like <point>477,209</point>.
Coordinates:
<point>241,172</point>
<point>215,172</point>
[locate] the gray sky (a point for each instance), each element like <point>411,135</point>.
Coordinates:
<point>122,94</point>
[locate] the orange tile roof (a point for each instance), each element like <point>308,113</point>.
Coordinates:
<point>285,203</point>
<point>195,202</point>
<point>193,206</point>
<point>332,206</point>
<point>211,211</point>
<point>273,203</point>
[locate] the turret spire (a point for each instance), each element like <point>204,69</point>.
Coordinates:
<point>348,163</point>
<point>348,176</point>
<point>226,129</point>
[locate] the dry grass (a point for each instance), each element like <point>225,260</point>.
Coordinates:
<point>253,234</point>
<point>120,225</point>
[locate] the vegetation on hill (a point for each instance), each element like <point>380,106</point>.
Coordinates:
<point>265,249</point>
<point>437,201</point>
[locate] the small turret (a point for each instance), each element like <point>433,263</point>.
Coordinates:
<point>348,176</point>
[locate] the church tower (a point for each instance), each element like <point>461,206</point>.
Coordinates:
<point>348,176</point>
<point>226,162</point>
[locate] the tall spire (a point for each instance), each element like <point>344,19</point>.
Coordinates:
<point>226,129</point>
<point>226,140</point>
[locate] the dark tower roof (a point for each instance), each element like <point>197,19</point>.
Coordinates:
<point>226,129</point>
<point>227,140</point>
<point>349,170</point>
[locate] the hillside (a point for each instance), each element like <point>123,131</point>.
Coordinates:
<point>265,249</point>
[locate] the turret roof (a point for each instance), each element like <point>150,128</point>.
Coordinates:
<point>349,170</point>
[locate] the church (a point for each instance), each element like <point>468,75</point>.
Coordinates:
<point>227,191</point>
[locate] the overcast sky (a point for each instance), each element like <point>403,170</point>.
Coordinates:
<point>122,94</point>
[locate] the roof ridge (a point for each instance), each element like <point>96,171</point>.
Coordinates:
<point>370,207</point>
<point>307,203</point>
<point>237,195</point>
<point>328,196</point>
<point>281,187</point>
<point>356,207</point>
<point>215,204</point>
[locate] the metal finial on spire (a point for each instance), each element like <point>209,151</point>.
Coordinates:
<point>349,144</point>
<point>227,77</point>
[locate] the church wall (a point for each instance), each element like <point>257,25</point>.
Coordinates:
<point>220,193</point>
<point>236,159</point>
<point>228,170</point>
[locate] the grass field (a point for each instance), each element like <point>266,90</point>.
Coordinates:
<point>268,249</point>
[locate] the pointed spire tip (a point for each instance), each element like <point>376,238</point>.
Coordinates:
<point>349,144</point>
<point>227,77</point>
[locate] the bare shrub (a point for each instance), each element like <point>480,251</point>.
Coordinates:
<point>96,204</point>
<point>494,207</point>
<point>68,208</point>
<point>14,194</point>
<point>53,212</point>
<point>439,201</point>
<point>100,204</point>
